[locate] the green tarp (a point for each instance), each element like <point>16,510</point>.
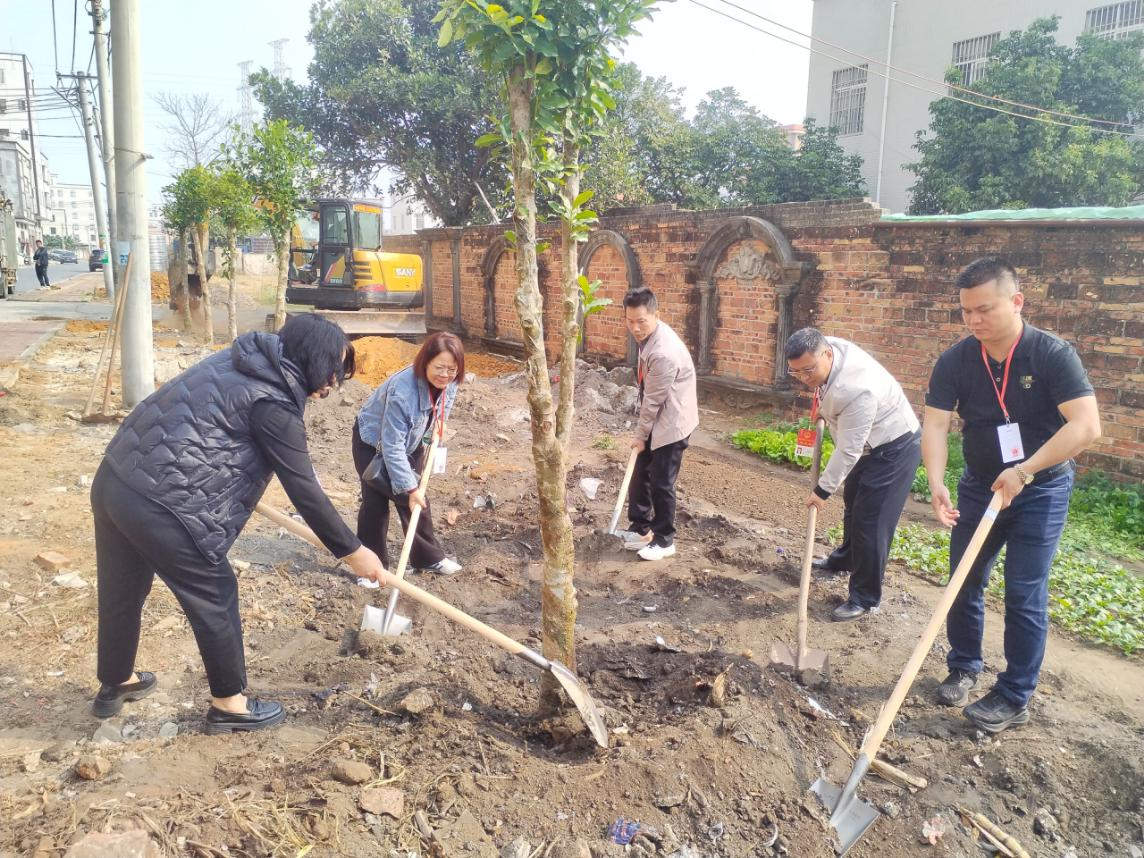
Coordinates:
<point>1074,213</point>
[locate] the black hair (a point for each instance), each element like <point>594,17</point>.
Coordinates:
<point>804,341</point>
<point>314,345</point>
<point>642,297</point>
<point>982,270</point>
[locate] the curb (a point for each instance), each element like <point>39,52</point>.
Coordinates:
<point>10,375</point>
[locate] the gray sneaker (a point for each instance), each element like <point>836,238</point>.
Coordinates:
<point>954,690</point>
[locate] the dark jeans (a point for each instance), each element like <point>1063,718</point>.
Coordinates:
<point>136,539</point>
<point>42,275</point>
<point>373,515</point>
<point>651,498</point>
<point>1030,528</point>
<point>874,495</point>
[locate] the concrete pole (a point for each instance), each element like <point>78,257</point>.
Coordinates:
<point>885,103</point>
<point>131,203</point>
<point>96,183</point>
<point>106,126</point>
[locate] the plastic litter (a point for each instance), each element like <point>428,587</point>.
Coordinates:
<point>589,486</point>
<point>623,831</point>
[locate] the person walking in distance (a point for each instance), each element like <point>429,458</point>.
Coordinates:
<point>1026,408</point>
<point>877,447</point>
<point>40,260</point>
<point>669,413</point>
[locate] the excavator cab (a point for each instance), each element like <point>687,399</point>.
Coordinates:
<point>337,265</point>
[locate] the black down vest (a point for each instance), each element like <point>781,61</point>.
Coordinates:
<point>188,445</point>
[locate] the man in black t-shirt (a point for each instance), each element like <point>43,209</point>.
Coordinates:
<point>1026,408</point>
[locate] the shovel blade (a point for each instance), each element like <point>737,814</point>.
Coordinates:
<point>585,705</point>
<point>783,656</point>
<point>814,664</point>
<point>850,817</point>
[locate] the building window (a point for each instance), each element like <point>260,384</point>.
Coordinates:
<point>3,105</point>
<point>23,133</point>
<point>848,100</point>
<point>972,55</point>
<point>1115,21</point>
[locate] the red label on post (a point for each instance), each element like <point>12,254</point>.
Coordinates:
<point>804,443</point>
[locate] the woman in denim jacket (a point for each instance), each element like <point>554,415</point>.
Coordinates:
<point>398,420</point>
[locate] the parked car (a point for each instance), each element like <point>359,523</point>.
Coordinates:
<point>97,259</point>
<point>54,254</point>
<point>67,256</point>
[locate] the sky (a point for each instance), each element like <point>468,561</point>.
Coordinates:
<point>696,49</point>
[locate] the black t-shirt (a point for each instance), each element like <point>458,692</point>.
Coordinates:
<point>1046,372</point>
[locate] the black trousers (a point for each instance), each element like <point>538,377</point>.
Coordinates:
<point>651,497</point>
<point>373,515</point>
<point>874,496</point>
<point>136,539</point>
<point>42,275</point>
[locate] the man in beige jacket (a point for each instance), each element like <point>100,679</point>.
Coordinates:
<point>669,413</point>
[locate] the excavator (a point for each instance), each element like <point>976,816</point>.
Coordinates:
<point>337,265</point>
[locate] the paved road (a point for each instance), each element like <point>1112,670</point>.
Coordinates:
<point>58,273</point>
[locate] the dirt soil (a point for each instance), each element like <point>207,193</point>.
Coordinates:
<point>712,749</point>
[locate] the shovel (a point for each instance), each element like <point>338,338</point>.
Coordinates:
<point>850,816</point>
<point>808,663</point>
<point>623,493</point>
<point>403,623</point>
<point>577,693</point>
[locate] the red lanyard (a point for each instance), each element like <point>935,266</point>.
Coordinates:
<point>815,403</point>
<point>1005,379</point>
<point>439,418</point>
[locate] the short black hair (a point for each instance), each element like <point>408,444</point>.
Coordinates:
<point>315,345</point>
<point>804,341</point>
<point>642,297</point>
<point>442,341</point>
<point>982,270</point>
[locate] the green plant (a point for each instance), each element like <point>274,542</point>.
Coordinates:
<point>604,442</point>
<point>1088,596</point>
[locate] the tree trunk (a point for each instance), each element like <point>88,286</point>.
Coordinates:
<point>282,248</point>
<point>184,281</point>
<point>558,594</point>
<point>199,231</point>
<point>569,301</point>
<point>232,295</point>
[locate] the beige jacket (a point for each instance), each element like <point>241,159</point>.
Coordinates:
<point>669,409</point>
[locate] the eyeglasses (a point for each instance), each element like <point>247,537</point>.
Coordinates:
<point>806,370</point>
<point>442,370</point>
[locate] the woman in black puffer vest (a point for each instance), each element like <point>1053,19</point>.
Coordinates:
<point>178,483</point>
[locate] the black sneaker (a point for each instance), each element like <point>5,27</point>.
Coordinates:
<point>848,611</point>
<point>954,690</point>
<point>111,698</point>
<point>259,715</point>
<point>822,568</point>
<point>994,713</point>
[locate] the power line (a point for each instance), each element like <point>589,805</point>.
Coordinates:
<point>1043,120</point>
<point>953,86</point>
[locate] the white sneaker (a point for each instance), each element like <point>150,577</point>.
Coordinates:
<point>444,567</point>
<point>656,552</point>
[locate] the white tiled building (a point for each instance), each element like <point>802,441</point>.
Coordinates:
<point>73,214</point>
<point>18,179</point>
<point>856,39</point>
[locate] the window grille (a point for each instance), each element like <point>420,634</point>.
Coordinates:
<point>848,100</point>
<point>971,56</point>
<point>1115,21</point>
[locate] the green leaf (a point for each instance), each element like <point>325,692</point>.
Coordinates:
<point>582,198</point>
<point>486,140</point>
<point>446,34</point>
<point>544,66</point>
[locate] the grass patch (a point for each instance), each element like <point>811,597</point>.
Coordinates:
<point>604,442</point>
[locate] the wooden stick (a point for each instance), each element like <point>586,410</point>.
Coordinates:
<point>120,305</point>
<point>115,312</point>
<point>623,492</point>
<point>995,833</point>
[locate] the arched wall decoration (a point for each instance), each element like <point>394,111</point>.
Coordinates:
<point>489,262</point>
<point>611,238</point>
<point>783,270</point>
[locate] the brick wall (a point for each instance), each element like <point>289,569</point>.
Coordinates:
<point>887,286</point>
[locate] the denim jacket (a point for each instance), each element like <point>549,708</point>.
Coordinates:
<point>397,417</point>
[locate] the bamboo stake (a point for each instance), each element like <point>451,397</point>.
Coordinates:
<point>995,833</point>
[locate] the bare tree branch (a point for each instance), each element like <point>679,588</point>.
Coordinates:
<point>198,128</point>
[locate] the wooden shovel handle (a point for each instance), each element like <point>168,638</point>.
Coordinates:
<point>112,325</point>
<point>877,733</point>
<point>623,491</point>
<point>415,513</point>
<point>808,546</point>
<point>413,592</point>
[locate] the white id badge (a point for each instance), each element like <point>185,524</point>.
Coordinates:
<point>1009,435</point>
<point>440,460</point>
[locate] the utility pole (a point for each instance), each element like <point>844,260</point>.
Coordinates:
<point>138,363</point>
<point>32,141</point>
<point>98,17</point>
<point>96,184</point>
<point>281,70</point>
<point>246,111</point>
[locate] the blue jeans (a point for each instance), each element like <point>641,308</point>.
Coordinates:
<point>1031,528</point>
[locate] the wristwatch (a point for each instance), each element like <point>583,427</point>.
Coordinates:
<point>1025,477</point>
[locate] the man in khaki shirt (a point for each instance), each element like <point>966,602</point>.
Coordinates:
<point>669,413</point>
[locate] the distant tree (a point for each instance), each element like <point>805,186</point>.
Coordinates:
<point>383,94</point>
<point>188,206</point>
<point>975,158</point>
<point>277,159</point>
<point>197,129</point>
<point>820,169</point>
<point>234,210</point>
